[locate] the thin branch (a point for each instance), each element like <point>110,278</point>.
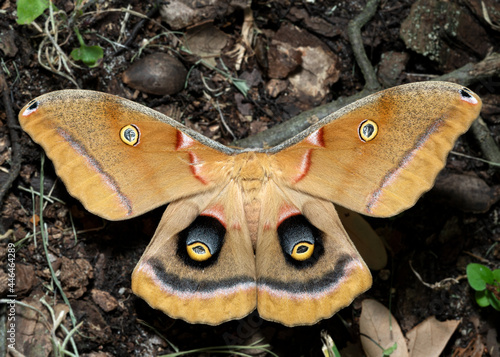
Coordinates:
<point>279,133</point>
<point>488,145</point>
<point>354,33</point>
<point>135,31</point>
<point>465,75</point>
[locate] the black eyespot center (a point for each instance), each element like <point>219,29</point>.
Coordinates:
<point>464,92</point>
<point>468,96</point>
<point>368,130</point>
<point>302,249</point>
<point>33,105</point>
<point>199,249</point>
<point>129,134</point>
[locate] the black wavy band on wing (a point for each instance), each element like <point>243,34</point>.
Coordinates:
<point>173,282</point>
<point>312,286</point>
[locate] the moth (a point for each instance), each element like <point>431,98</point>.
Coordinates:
<point>250,229</point>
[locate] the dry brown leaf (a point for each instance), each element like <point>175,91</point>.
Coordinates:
<point>206,41</point>
<point>429,338</point>
<point>376,321</point>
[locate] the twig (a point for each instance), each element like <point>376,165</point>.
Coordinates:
<point>55,55</point>
<point>279,133</point>
<point>153,12</point>
<point>15,166</point>
<point>482,72</point>
<point>475,158</point>
<point>443,284</point>
<point>7,234</point>
<point>354,33</point>
<point>486,142</point>
<point>123,26</point>
<point>223,121</point>
<point>481,259</point>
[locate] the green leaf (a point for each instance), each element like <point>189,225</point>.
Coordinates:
<point>478,276</point>
<point>494,302</point>
<point>481,298</point>
<point>29,10</point>
<point>88,54</point>
<point>496,276</point>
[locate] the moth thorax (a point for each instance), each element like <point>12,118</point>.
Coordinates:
<point>252,214</point>
<point>252,167</point>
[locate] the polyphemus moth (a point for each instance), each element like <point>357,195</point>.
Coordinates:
<point>251,228</point>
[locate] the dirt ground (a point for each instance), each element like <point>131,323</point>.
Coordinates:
<point>449,227</point>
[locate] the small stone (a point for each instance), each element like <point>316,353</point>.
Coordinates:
<point>25,278</point>
<point>275,86</point>
<point>305,60</point>
<point>465,192</point>
<point>7,44</point>
<point>104,300</point>
<point>184,13</point>
<point>159,74</point>
<point>391,65</point>
<point>445,32</point>
<point>75,276</point>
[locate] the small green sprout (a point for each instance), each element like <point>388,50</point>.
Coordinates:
<point>29,10</point>
<point>486,283</point>
<point>87,54</point>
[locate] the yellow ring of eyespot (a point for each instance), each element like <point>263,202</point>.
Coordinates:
<point>199,257</point>
<point>302,255</point>
<point>361,131</point>
<point>125,135</point>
